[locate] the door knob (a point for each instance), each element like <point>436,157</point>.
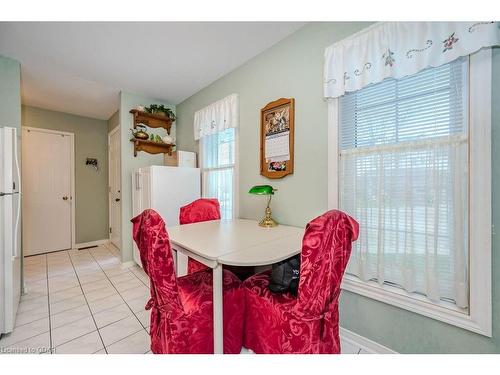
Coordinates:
<point>65,198</point>
<point>117,199</point>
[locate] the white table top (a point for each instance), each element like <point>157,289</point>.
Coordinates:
<point>238,242</point>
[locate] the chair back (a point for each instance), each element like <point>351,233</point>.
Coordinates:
<point>157,261</point>
<point>202,209</point>
<point>326,248</point>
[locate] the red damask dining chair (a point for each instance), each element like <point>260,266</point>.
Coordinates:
<point>195,212</point>
<point>308,323</point>
<point>182,308</point>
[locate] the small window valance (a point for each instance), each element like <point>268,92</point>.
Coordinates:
<point>216,117</point>
<point>398,49</point>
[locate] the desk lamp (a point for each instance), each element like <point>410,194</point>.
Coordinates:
<point>267,221</point>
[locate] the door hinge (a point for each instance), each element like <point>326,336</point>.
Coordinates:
<point>110,230</point>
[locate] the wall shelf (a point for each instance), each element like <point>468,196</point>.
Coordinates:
<point>151,120</point>
<point>151,147</point>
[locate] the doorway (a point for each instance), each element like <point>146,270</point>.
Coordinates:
<point>115,195</point>
<point>48,190</point>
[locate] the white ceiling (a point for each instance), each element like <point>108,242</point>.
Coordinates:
<point>80,68</point>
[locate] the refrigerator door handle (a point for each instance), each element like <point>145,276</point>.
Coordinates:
<point>17,248</point>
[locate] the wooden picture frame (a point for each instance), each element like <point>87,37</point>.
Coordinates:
<point>277,123</point>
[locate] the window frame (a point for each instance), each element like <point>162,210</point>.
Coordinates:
<point>236,205</point>
<point>479,318</point>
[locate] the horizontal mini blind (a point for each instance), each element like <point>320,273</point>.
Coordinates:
<point>404,173</point>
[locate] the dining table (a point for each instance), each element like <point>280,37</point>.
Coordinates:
<point>237,242</point>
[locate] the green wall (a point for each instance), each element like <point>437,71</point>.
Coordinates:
<point>294,68</point>
<point>129,163</point>
<point>10,93</point>
<point>91,187</point>
<point>291,68</point>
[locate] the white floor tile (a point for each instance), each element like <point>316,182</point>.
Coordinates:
<point>105,303</point>
<point>32,315</point>
<point>89,287</point>
<point>39,344</point>
<point>65,294</point>
<point>25,331</point>
<point>91,276</point>
<point>100,293</point>
<point>88,268</point>
<point>33,304</point>
<point>126,276</point>
<point>141,291</point>
<point>67,304</point>
<point>144,317</point>
<point>31,294</point>
<point>69,316</point>
<point>86,344</point>
<point>127,285</point>
<point>115,270</point>
<point>119,330</point>
<point>72,297</point>
<point>72,331</point>
<point>138,343</point>
<point>138,304</point>
<point>112,315</point>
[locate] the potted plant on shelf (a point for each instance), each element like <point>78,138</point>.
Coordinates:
<point>160,110</point>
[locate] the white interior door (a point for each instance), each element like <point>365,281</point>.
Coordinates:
<point>115,196</point>
<point>47,162</point>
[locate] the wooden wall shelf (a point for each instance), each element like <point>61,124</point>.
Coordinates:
<point>151,120</point>
<point>151,147</point>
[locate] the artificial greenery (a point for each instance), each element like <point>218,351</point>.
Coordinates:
<point>158,108</point>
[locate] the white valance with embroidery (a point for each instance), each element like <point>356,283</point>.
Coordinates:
<point>398,49</point>
<point>216,117</point>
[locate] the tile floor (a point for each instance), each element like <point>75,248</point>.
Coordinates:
<point>81,301</point>
<point>85,302</point>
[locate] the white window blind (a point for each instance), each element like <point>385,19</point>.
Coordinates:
<point>218,169</point>
<point>404,177</point>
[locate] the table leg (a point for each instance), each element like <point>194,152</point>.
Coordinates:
<point>218,303</point>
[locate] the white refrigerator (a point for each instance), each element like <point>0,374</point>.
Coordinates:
<point>165,190</point>
<point>10,229</point>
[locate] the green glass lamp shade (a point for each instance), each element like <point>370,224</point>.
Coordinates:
<point>267,221</point>
<point>262,190</point>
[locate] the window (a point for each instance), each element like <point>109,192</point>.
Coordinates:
<point>218,160</point>
<point>406,163</point>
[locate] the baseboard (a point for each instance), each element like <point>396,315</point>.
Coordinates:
<point>92,243</point>
<point>363,343</point>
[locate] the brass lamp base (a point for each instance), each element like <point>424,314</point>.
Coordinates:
<point>268,221</point>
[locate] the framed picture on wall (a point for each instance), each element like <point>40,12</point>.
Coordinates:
<point>276,138</point>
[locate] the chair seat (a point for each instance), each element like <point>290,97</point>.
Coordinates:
<point>195,293</point>
<point>195,290</point>
<point>270,324</point>
<point>308,323</point>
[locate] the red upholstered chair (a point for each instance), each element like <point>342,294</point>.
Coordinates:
<point>182,308</point>
<point>308,323</point>
<point>197,211</point>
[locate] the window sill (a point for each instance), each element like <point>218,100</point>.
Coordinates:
<point>394,296</point>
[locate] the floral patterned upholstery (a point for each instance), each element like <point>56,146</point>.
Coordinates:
<point>308,323</point>
<point>182,309</point>
<point>195,212</point>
